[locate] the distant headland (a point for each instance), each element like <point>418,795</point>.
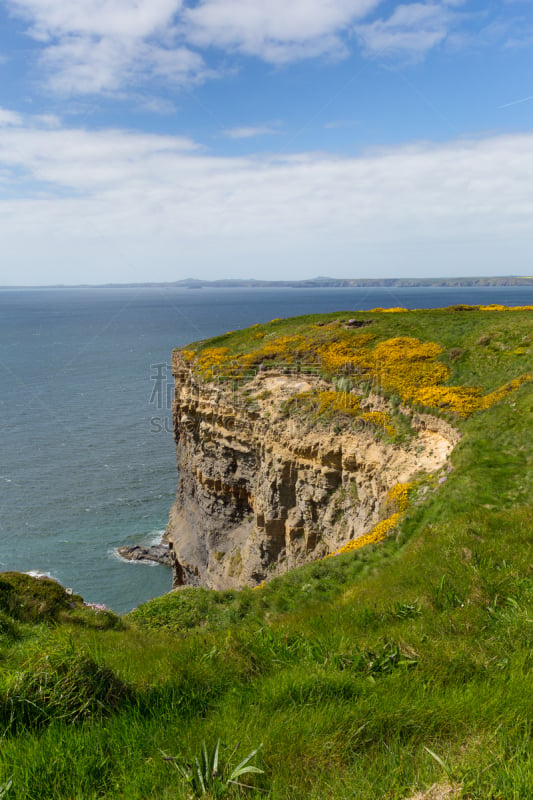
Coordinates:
<point>320,282</point>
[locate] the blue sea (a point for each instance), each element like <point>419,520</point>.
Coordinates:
<point>87,459</point>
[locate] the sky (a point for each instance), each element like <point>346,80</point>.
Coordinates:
<point>155,140</point>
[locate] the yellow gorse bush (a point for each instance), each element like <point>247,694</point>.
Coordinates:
<point>343,402</point>
<point>394,310</point>
<point>325,404</point>
<point>398,497</point>
<point>409,368</point>
<point>497,307</point>
<point>331,404</point>
<point>397,501</point>
<point>211,357</point>
<point>380,420</point>
<point>283,346</point>
<point>404,366</point>
<point>343,352</point>
<point>462,400</point>
<point>498,394</point>
<point>377,534</point>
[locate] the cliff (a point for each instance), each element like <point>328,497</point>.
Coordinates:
<point>268,482</point>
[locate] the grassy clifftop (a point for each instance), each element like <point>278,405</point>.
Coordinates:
<point>374,674</point>
<point>454,359</point>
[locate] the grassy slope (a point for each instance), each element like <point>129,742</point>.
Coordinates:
<point>345,670</point>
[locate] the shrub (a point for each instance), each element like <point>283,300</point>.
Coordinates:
<point>30,599</point>
<point>60,685</point>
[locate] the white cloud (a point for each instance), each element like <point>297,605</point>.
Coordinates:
<point>9,117</point>
<point>122,19</point>
<point>82,161</point>
<point>93,46</point>
<point>410,31</point>
<point>48,120</point>
<point>77,64</point>
<point>277,31</point>
<point>158,105</point>
<point>81,65</point>
<point>116,204</point>
<point>251,131</point>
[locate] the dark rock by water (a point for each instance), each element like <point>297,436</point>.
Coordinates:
<point>139,552</point>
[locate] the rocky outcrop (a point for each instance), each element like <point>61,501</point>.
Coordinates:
<point>139,552</point>
<point>264,488</point>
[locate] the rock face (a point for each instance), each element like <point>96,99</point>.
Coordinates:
<point>262,490</point>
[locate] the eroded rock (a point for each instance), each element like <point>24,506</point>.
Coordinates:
<point>138,552</point>
<point>261,491</point>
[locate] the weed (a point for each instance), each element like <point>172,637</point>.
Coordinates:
<point>4,789</point>
<point>446,595</point>
<point>406,610</point>
<point>205,775</point>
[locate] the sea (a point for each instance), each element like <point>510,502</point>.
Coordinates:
<point>87,457</point>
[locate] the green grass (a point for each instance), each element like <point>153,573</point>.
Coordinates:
<point>487,340</point>
<point>348,671</point>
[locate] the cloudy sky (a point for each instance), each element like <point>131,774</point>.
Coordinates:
<point>162,139</point>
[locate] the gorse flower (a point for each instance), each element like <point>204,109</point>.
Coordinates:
<point>343,402</point>
<point>380,420</point>
<point>404,366</point>
<point>397,501</point>
<point>409,368</point>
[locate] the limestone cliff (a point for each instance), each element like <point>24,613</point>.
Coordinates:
<point>263,488</point>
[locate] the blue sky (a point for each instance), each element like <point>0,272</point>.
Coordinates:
<point>162,139</point>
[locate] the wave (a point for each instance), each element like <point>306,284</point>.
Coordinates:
<point>34,573</point>
<point>155,537</point>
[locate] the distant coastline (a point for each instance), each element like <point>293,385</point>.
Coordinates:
<point>311,283</point>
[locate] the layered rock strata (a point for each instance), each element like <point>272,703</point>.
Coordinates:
<point>263,488</point>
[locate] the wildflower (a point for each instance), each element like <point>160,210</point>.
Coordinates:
<point>96,606</point>
<point>398,499</point>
